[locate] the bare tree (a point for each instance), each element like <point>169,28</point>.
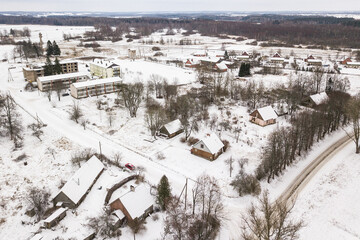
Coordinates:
<point>230,162</point>
<point>103,225</point>
<point>155,117</point>
<point>36,130</point>
<point>131,95</point>
<point>353,113</point>
<point>76,113</point>
<point>38,199</point>
<point>58,88</point>
<point>267,221</point>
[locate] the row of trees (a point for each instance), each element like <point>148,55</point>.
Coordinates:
<point>52,49</point>
<point>307,127</point>
<point>52,68</point>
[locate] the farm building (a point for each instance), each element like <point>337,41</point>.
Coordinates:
<point>209,147</point>
<point>104,69</point>
<point>171,129</point>
<point>95,87</point>
<point>318,98</point>
<point>46,83</point>
<point>263,116</point>
<point>345,60</point>
<point>76,188</point>
<point>135,204</point>
<point>353,64</point>
<point>55,217</point>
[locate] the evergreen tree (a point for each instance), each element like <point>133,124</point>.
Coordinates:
<point>48,69</point>
<point>57,67</point>
<point>226,54</point>
<point>56,49</point>
<point>163,192</point>
<point>49,49</point>
<point>244,70</point>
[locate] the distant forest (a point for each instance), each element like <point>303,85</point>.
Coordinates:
<point>317,31</point>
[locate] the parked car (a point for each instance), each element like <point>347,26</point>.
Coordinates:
<point>130,166</point>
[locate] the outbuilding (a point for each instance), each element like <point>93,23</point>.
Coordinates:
<point>171,129</point>
<point>55,217</point>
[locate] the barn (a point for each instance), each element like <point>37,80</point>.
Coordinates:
<point>76,188</point>
<point>136,204</point>
<point>263,116</point>
<point>209,147</point>
<point>171,129</point>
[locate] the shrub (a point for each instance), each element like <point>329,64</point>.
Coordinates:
<point>183,139</point>
<point>80,156</point>
<point>246,184</point>
<point>155,49</point>
<point>226,144</point>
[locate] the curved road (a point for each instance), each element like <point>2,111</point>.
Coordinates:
<point>298,184</point>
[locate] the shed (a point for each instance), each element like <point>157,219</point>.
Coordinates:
<point>263,116</point>
<point>135,204</point>
<point>75,189</point>
<point>209,147</point>
<point>319,98</point>
<point>171,129</point>
<point>55,218</point>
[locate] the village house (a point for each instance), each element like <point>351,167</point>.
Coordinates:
<point>191,63</point>
<point>95,87</point>
<point>76,188</point>
<point>352,65</point>
<point>243,57</point>
<point>104,69</point>
<point>200,54</point>
<point>221,67</point>
<point>32,72</point>
<point>55,217</point>
<point>345,60</point>
<point>263,116</point>
<point>210,147</point>
<point>47,82</point>
<point>171,129</point>
<point>276,58</point>
<point>136,204</point>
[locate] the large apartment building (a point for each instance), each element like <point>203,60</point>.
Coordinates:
<point>32,72</point>
<point>47,82</point>
<point>95,87</point>
<point>104,69</point>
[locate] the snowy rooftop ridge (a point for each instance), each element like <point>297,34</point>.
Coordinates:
<point>174,126</point>
<point>76,187</point>
<point>97,82</point>
<point>136,202</point>
<point>267,113</point>
<point>63,76</point>
<point>213,143</point>
<point>319,98</point>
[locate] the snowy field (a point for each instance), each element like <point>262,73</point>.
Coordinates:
<point>131,138</point>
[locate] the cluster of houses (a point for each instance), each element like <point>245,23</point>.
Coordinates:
<point>349,63</point>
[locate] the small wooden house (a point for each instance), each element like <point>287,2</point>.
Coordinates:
<point>276,58</point>
<point>171,129</point>
<point>209,147</point>
<point>345,61</point>
<point>135,204</point>
<point>317,99</point>
<point>263,116</point>
<point>55,218</point>
<point>75,189</point>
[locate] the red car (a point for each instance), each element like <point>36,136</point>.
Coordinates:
<point>130,166</point>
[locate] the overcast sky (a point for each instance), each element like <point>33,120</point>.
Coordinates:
<point>179,5</point>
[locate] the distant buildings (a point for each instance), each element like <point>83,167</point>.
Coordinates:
<point>210,147</point>
<point>95,87</point>
<point>104,69</point>
<point>276,58</point>
<point>48,82</point>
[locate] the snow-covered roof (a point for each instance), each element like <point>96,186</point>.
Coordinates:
<point>136,202</point>
<point>119,214</point>
<point>353,63</point>
<point>173,127</point>
<point>221,66</point>
<point>103,63</point>
<point>37,237</point>
<point>243,57</point>
<point>55,214</point>
<point>267,113</point>
<point>97,82</point>
<point>277,59</point>
<point>319,98</point>
<point>199,53</point>
<point>67,61</point>
<point>213,143</point>
<point>82,180</point>
<point>314,61</point>
<point>63,76</point>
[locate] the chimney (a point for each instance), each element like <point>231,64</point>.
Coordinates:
<point>132,188</point>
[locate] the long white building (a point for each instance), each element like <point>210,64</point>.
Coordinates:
<point>95,87</point>
<point>47,82</point>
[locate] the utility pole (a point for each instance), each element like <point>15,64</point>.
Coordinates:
<point>100,151</point>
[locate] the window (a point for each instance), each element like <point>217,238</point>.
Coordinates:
<point>202,145</point>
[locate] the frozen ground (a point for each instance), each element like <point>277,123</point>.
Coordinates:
<point>129,136</point>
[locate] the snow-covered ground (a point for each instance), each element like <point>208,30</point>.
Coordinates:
<point>130,136</point>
